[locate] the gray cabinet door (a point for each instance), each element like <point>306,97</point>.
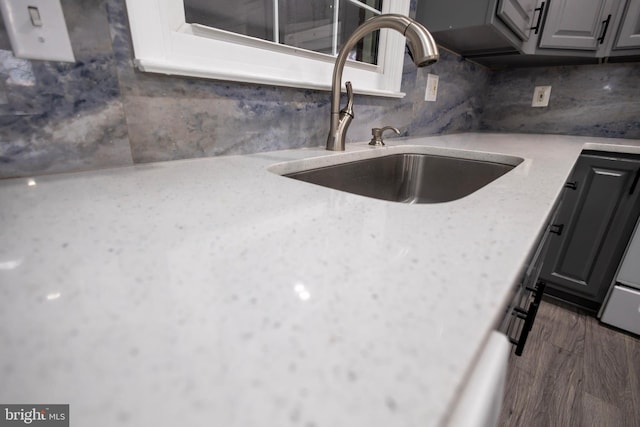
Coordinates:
<point>577,24</point>
<point>518,15</point>
<point>629,36</point>
<point>596,220</point>
<point>478,27</point>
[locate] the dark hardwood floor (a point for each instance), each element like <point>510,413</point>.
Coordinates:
<point>575,372</point>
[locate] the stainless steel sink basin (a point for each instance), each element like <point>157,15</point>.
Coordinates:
<point>408,178</point>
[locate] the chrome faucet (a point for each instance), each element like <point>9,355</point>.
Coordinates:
<point>423,51</point>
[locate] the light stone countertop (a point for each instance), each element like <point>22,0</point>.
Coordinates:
<point>215,292</point>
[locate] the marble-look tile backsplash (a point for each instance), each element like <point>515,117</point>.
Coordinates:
<point>101,112</point>
<point>589,100</point>
<point>59,117</point>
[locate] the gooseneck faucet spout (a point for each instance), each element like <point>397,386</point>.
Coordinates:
<point>423,51</point>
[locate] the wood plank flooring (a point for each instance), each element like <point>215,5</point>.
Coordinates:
<point>575,372</point>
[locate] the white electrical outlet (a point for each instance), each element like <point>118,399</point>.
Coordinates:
<point>541,96</point>
<point>432,88</point>
<point>37,29</point>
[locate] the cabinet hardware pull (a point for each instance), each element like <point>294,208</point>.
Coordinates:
<point>529,316</point>
<point>605,27</point>
<point>526,328</point>
<point>540,11</point>
<point>556,229</point>
<point>520,312</point>
<point>538,288</point>
<point>635,182</point>
<point>572,185</point>
<point>537,299</point>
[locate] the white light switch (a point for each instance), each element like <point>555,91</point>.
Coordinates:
<point>432,87</point>
<point>37,29</point>
<point>34,14</point>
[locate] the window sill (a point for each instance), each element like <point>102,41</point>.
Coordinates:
<point>171,68</point>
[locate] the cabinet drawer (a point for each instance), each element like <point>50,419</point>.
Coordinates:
<point>623,309</point>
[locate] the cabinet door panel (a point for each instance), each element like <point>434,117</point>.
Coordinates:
<point>518,15</point>
<point>596,217</point>
<point>575,24</point>
<point>578,255</point>
<point>629,36</point>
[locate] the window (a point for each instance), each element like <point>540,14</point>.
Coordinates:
<point>280,42</point>
<point>316,25</point>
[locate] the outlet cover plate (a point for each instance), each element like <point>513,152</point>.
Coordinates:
<point>37,29</point>
<point>432,87</point>
<point>541,96</point>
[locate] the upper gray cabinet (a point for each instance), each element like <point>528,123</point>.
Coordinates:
<point>475,27</point>
<point>629,36</point>
<point>515,32</point>
<point>518,15</point>
<point>589,28</point>
<point>578,24</point>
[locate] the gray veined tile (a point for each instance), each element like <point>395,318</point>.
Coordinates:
<point>590,100</point>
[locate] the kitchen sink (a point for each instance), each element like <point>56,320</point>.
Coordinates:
<point>408,177</point>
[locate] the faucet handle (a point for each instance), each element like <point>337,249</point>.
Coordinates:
<point>376,134</point>
<point>348,109</point>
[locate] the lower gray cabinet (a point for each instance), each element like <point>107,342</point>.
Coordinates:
<point>595,221</point>
<point>527,294</point>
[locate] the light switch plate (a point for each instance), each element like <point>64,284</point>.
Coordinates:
<point>37,29</point>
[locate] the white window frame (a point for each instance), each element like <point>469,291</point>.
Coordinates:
<point>164,43</point>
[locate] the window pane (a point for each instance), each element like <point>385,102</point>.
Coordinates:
<point>305,24</point>
<point>249,17</point>
<point>352,16</point>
